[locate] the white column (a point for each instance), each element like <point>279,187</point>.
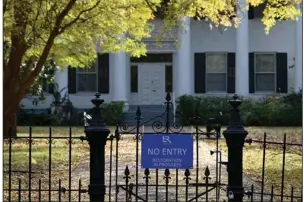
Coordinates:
<point>61,78</point>
<point>119,77</point>
<point>298,54</point>
<point>242,52</point>
<point>184,81</point>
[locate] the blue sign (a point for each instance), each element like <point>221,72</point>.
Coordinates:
<point>172,151</point>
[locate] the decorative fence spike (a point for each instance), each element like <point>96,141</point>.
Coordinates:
<point>127,172</point>
<point>147,173</point>
<point>207,172</point>
<point>167,172</point>
<point>168,97</point>
<point>138,113</point>
<point>187,173</point>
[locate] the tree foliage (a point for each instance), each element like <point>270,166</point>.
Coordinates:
<point>70,31</point>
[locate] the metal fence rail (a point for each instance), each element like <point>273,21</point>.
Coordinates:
<point>270,195</point>
<point>24,185</point>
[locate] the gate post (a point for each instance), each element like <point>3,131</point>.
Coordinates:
<point>235,135</point>
<point>96,134</point>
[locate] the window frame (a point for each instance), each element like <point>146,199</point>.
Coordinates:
<point>78,72</point>
<point>274,72</point>
<point>226,73</point>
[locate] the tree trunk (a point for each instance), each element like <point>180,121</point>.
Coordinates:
<point>10,106</point>
<point>10,126</point>
<point>14,88</point>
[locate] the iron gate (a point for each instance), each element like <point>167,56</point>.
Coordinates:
<point>133,183</point>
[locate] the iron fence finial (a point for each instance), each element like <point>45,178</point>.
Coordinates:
<point>235,120</point>
<point>138,115</point>
<point>96,101</point>
<point>168,97</point>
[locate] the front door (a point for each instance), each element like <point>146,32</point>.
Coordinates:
<point>151,82</point>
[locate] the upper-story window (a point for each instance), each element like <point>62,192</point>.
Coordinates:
<point>216,72</point>
<point>87,79</point>
<point>265,72</point>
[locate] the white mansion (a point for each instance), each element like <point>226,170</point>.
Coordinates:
<point>207,61</point>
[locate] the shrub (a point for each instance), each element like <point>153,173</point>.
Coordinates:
<point>205,107</point>
<point>112,112</point>
<point>38,120</point>
<point>283,110</point>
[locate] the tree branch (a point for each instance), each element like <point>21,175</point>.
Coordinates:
<point>78,17</point>
<point>37,15</point>
<point>63,13</point>
<point>28,81</point>
<point>150,6</point>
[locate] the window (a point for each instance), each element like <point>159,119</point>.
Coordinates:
<point>265,72</point>
<point>216,72</point>
<point>134,78</point>
<point>169,80</point>
<point>87,79</point>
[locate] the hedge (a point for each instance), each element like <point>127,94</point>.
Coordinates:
<point>279,110</point>
<point>112,113</point>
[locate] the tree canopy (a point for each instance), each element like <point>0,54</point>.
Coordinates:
<point>68,31</point>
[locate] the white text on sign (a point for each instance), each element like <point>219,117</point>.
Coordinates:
<point>166,151</point>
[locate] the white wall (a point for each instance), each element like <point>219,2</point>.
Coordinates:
<point>280,39</point>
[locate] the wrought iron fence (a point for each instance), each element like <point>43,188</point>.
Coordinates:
<point>111,175</point>
<point>28,181</point>
<point>269,192</point>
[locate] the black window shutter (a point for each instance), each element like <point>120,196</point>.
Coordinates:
<point>251,73</point>
<point>231,73</point>
<point>103,73</point>
<point>169,79</point>
<point>282,72</point>
<point>134,78</point>
<point>72,80</point>
<point>199,72</point>
<point>251,12</point>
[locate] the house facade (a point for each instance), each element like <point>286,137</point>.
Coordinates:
<point>207,61</point>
